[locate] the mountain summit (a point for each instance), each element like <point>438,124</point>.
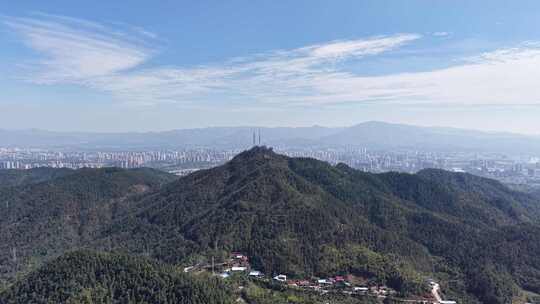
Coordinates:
<point>305,217</point>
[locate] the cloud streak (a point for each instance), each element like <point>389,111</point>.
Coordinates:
<point>114,59</point>
<point>503,77</point>
<point>107,59</point>
<point>441,34</point>
<point>76,51</point>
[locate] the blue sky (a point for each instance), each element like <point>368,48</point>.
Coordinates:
<point>158,65</point>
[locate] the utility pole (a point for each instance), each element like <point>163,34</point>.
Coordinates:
<point>111,291</point>
<point>14,248</point>
<point>14,254</point>
<point>213,273</point>
<point>14,257</point>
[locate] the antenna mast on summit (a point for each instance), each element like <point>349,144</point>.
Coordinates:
<point>259,137</point>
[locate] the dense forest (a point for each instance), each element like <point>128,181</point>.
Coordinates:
<point>296,216</point>
<point>88,277</point>
<point>41,220</point>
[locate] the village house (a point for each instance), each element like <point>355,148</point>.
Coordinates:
<point>256,274</point>
<point>281,278</point>
<point>238,268</point>
<point>361,289</point>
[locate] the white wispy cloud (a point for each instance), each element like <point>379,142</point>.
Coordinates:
<point>76,51</point>
<point>282,76</point>
<point>112,59</point>
<point>503,77</point>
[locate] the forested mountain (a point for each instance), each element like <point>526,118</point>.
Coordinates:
<point>43,219</point>
<point>303,217</point>
<point>259,205</point>
<point>90,277</point>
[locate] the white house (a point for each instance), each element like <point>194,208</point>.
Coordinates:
<point>281,278</point>
<point>238,268</point>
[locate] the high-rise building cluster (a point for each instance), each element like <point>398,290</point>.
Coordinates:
<point>513,170</point>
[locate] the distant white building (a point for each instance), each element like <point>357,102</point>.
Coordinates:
<point>255,273</point>
<point>281,278</point>
<point>238,268</point>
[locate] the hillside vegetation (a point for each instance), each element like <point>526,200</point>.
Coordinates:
<point>44,219</point>
<point>90,277</point>
<point>304,217</point>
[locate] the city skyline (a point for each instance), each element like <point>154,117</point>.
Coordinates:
<point>109,67</point>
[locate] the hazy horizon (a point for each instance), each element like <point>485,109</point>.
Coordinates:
<point>275,127</point>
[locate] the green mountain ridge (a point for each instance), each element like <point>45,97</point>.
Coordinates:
<point>304,217</point>
<point>14,177</point>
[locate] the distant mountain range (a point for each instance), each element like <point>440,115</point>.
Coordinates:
<point>297,216</point>
<point>370,135</point>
